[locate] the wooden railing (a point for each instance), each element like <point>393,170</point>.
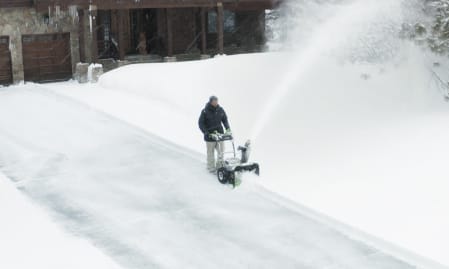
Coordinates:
<point>130,4</point>
<point>16,3</point>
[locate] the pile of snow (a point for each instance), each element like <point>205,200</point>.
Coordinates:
<point>94,71</point>
<point>30,239</point>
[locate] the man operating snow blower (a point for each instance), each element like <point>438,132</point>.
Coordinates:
<point>211,122</point>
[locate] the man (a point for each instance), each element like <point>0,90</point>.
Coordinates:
<point>211,122</point>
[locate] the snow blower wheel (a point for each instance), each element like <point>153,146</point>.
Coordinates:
<point>222,175</point>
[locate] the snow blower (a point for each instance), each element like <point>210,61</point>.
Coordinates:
<point>233,162</point>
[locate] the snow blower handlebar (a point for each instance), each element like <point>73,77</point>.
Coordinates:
<point>221,137</point>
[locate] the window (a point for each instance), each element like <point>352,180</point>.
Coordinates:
<point>212,22</point>
<point>229,22</point>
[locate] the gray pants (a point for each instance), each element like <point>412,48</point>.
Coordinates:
<point>213,165</point>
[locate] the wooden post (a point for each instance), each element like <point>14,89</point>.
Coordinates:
<point>94,36</point>
<point>121,34</point>
<point>139,22</point>
<point>203,31</point>
<point>81,38</point>
<point>169,32</point>
<point>220,28</point>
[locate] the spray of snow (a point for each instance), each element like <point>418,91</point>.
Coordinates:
<point>346,30</point>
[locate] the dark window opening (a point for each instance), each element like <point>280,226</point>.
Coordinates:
<point>107,42</point>
<point>144,32</point>
<point>229,22</point>
<point>212,22</point>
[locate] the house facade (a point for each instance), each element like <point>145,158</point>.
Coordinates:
<point>43,40</point>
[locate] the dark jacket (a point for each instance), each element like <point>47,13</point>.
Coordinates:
<point>211,120</point>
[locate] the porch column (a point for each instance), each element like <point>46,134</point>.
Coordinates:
<point>203,31</point>
<point>220,28</point>
<point>169,32</point>
<point>121,34</point>
<point>81,38</point>
<point>94,33</point>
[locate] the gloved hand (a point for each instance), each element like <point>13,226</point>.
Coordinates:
<point>213,136</point>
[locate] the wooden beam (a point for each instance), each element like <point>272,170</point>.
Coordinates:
<point>42,5</point>
<point>16,3</point>
<point>152,3</point>
<point>169,19</point>
<point>220,28</point>
<point>81,37</point>
<point>121,33</point>
<point>94,36</point>
<point>139,15</point>
<point>203,31</point>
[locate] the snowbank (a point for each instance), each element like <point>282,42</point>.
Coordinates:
<point>364,144</point>
<point>29,239</point>
<point>166,99</point>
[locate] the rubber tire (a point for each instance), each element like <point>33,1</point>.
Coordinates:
<point>222,175</point>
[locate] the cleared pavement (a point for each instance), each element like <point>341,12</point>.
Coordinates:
<point>150,204</point>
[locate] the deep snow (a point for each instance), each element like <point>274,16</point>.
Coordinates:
<point>362,143</point>
<point>149,203</point>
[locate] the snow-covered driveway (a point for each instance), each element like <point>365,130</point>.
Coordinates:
<point>150,204</point>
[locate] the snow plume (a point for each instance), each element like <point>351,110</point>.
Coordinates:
<point>347,121</point>
<point>348,31</point>
<point>316,28</point>
<point>368,30</point>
